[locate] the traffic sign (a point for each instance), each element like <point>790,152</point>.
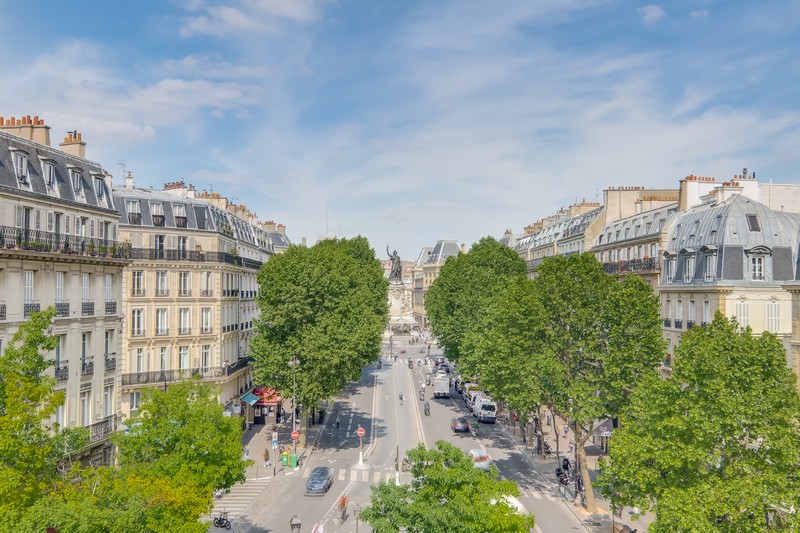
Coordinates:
<point>274,443</point>
<point>361,432</point>
<point>295,435</point>
<point>274,435</point>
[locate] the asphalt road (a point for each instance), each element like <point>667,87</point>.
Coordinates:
<point>392,428</point>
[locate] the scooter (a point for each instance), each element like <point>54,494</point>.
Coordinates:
<point>222,520</point>
<point>562,476</point>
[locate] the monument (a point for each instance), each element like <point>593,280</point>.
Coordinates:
<point>401,312</point>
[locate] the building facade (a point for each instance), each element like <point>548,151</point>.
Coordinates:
<point>59,248</point>
<point>189,292</point>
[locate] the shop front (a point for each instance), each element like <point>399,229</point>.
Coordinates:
<point>268,406</point>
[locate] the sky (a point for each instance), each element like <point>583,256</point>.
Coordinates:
<point>412,121</point>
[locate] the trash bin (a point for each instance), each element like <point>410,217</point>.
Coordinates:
<point>293,460</point>
<point>285,458</point>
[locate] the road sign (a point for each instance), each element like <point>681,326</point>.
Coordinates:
<point>295,435</point>
<point>274,435</point>
<point>361,432</point>
<point>274,443</point>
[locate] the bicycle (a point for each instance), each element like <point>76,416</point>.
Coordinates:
<point>343,508</point>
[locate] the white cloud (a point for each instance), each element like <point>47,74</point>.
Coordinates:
<point>247,17</point>
<point>652,14</point>
<point>699,14</point>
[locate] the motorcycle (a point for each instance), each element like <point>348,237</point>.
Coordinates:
<point>222,520</point>
<point>410,363</point>
<point>562,476</point>
<point>406,466</point>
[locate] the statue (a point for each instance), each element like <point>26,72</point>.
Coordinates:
<point>397,269</point>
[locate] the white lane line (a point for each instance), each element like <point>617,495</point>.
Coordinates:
<point>373,443</point>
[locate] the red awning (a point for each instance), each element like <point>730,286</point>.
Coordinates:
<point>267,396</point>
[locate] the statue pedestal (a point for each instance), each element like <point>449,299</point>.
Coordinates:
<point>401,312</point>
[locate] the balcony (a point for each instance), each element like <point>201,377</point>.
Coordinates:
<point>111,362</point>
<point>135,219</point>
<point>689,324</point>
<point>87,367</point>
<point>100,431</point>
<point>162,331</point>
<point>87,308</point>
<point>111,308</point>
<point>238,365</point>
<point>137,332</point>
<point>158,220</point>
<point>191,256</point>
<point>184,331</point>
<point>667,323</point>
<point>161,376</point>
<point>185,292</point>
<point>162,291</point>
<point>30,307</point>
<point>62,371</point>
<point>2,311</point>
<point>62,309</point>
<point>649,264</point>
<point>29,240</point>
<point>205,329</point>
<point>206,292</point>
<point>678,323</point>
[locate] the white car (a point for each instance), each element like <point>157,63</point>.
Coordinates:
<point>480,459</point>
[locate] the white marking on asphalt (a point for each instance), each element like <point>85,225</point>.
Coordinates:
<point>365,475</point>
<point>354,475</point>
<point>342,473</point>
<point>377,477</point>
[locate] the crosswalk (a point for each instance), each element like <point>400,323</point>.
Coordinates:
<point>365,475</point>
<point>240,497</point>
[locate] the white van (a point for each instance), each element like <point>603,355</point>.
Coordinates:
<point>469,397</point>
<point>485,409</point>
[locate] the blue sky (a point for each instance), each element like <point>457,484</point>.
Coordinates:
<point>412,121</point>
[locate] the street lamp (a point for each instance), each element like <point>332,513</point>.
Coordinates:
<point>293,364</point>
<point>356,512</point>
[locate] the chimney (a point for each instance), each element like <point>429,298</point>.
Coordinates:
<point>33,129</point>
<point>282,228</point>
<point>129,180</point>
<point>73,144</point>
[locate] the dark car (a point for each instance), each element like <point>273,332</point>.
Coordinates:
<point>438,360</point>
<point>319,481</point>
<point>459,425</point>
<point>445,367</point>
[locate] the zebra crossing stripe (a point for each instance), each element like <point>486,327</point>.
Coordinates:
<point>354,475</point>
<point>342,473</point>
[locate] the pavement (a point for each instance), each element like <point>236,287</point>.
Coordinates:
<point>547,466</point>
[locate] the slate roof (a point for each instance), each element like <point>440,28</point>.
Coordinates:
<point>442,250</point>
<point>91,174</point>
<point>423,255</point>
<point>639,226</point>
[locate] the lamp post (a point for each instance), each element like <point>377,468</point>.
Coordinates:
<point>356,512</point>
<point>293,364</point>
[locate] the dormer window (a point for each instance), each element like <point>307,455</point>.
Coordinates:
<point>99,188</point>
<point>134,212</point>
<point>21,168</point>
<point>49,173</point>
<point>76,178</point>
<point>753,223</point>
<point>157,210</point>
<point>180,215</point>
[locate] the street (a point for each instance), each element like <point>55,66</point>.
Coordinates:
<point>391,428</point>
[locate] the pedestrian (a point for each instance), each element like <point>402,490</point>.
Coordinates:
<point>337,421</point>
<point>246,451</point>
<point>266,456</point>
<point>548,419</point>
<point>566,430</point>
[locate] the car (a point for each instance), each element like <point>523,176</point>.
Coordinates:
<point>459,424</point>
<point>445,367</point>
<point>481,459</point>
<point>319,481</point>
<point>438,360</point>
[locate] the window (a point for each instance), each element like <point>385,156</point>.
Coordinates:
<point>164,358</point>
<point>757,267</point>
<point>184,357</point>
<point>137,322</point>
<point>183,247</point>
<point>135,401</point>
<point>162,324</point>
<point>206,319</point>
<point>77,181</point>
<point>741,312</point>
<point>184,285</point>
<point>99,188</point>
<point>134,212</point>
<point>49,174</point>
<point>59,287</point>
<point>773,316</point>
<point>688,268</point>
<point>206,284</point>
<point>137,283</point>
<point>109,342</point>
<point>157,210</point>
<point>161,283</point>
<point>753,223</point>
<point>138,361</point>
<point>61,341</point>
<point>679,310</point>
<point>184,315</point>
<point>59,415</point>
<point>28,289</point>
<point>86,407</point>
<point>158,246</point>
<point>108,399</point>
<point>205,356</point>
<point>84,287</point>
<point>690,317</point>
<point>85,347</point>
<point>21,166</point>
<point>711,267</point>
<point>706,312</point>
<point>109,287</point>
<point>180,215</point>
<point>669,268</point>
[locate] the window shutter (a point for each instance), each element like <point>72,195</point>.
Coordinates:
<point>77,225</point>
<point>66,224</point>
<point>91,228</point>
<point>191,244</point>
<point>19,216</point>
<point>38,219</point>
<point>50,221</point>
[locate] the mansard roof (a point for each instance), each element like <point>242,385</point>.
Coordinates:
<point>442,250</point>
<point>643,225</point>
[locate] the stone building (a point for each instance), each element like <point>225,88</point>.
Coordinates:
<point>59,248</point>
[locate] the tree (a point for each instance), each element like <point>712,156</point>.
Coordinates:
<point>447,494</point>
<point>455,301</point>
<point>184,436</point>
<point>716,447</point>
<point>600,338</point>
<point>30,449</point>
<point>327,306</point>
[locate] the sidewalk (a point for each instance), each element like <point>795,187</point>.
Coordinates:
<point>553,433</point>
<point>259,437</point>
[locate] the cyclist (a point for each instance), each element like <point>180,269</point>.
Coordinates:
<point>401,398</point>
<point>343,506</point>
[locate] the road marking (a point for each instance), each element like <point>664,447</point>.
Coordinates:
<point>377,477</point>
<point>389,477</point>
<point>342,473</point>
<point>365,475</point>
<point>354,475</point>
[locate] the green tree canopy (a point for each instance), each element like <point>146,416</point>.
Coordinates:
<point>447,494</point>
<point>457,299</point>
<point>326,305</point>
<point>716,447</point>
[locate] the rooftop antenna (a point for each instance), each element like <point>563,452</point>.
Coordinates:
<point>124,164</point>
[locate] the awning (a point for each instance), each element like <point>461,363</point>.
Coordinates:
<point>250,399</point>
<point>267,396</point>
<point>603,429</point>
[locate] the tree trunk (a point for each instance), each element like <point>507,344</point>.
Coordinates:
<point>580,443</point>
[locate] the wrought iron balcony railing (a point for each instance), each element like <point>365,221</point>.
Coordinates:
<point>62,309</point>
<point>87,308</point>
<point>111,308</point>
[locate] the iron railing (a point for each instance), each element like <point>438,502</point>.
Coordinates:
<point>649,264</point>
<point>62,309</point>
<point>238,365</point>
<point>49,242</point>
<point>667,323</point>
<point>87,308</point>
<point>101,430</point>
<point>193,256</point>
<point>678,323</point>
<point>87,368</point>
<point>30,307</point>
<point>111,308</point>
<point>2,311</point>
<point>111,362</point>
<point>161,376</point>
<point>62,371</point>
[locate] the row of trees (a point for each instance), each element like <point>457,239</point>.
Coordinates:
<point>180,447</point>
<point>716,447</point>
<point>573,340</point>
<point>327,307</point>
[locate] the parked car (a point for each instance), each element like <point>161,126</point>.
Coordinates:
<point>481,459</point>
<point>319,481</point>
<point>445,367</point>
<point>438,360</point>
<point>459,425</point>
